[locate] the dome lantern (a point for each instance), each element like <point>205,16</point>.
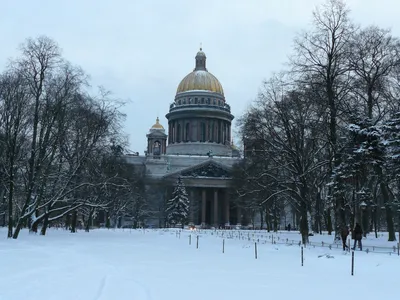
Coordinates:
<point>200,61</point>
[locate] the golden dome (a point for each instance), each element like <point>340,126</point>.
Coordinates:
<point>157,125</point>
<point>200,78</point>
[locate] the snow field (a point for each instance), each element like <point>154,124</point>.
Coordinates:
<point>160,264</point>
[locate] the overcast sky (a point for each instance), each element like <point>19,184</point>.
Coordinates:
<point>140,50</point>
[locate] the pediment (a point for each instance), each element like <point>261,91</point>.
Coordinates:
<point>209,169</point>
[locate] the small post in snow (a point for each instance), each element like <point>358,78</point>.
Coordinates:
<point>190,239</point>
<point>197,243</point>
<point>352,263</point>
<point>223,245</point>
<point>302,256</point>
<point>255,249</point>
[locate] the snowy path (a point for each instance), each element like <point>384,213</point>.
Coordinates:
<point>108,265</point>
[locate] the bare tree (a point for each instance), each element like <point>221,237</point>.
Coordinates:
<point>321,60</point>
<point>39,58</point>
<point>14,103</point>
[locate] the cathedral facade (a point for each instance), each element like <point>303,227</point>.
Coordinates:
<point>196,147</point>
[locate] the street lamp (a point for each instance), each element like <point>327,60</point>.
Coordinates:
<point>363,206</point>
<point>374,206</point>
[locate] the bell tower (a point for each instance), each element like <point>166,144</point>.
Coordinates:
<point>156,141</point>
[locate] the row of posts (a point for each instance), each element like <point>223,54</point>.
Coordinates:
<point>256,253</point>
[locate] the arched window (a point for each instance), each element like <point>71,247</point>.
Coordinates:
<point>156,148</point>
<point>187,128</point>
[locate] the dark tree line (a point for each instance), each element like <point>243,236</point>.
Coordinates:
<point>60,146</point>
<point>323,136</point>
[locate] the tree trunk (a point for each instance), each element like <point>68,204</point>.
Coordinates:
<point>387,203</point>
<point>268,220</point>
<point>329,226</point>
<point>68,221</point>
<point>10,207</point>
<point>34,226</point>
<point>375,225</point>
<point>45,224</point>
<point>303,223</point>
<point>108,221</point>
<point>74,221</point>
<point>89,220</point>
<point>261,218</point>
<point>317,228</point>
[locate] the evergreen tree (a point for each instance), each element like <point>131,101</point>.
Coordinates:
<point>178,206</point>
<point>391,141</point>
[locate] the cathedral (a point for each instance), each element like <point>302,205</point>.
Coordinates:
<point>197,148</point>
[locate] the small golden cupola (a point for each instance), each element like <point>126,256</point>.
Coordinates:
<point>156,140</point>
<point>157,125</point>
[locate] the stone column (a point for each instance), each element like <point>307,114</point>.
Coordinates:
<point>173,132</point>
<point>227,207</point>
<point>203,207</point>
<point>169,132</point>
<point>206,133</point>
<point>198,130</point>
<point>223,132</point>
<point>216,223</point>
<point>191,207</point>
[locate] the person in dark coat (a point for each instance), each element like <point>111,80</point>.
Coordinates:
<point>358,236</point>
<point>344,234</point>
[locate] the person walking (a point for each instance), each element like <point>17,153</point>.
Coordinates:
<point>344,234</point>
<point>358,236</point>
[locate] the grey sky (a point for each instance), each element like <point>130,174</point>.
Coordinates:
<point>140,50</point>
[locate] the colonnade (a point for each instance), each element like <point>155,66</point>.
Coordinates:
<point>211,206</point>
<point>199,130</point>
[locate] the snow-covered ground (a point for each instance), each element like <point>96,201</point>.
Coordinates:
<point>160,264</point>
